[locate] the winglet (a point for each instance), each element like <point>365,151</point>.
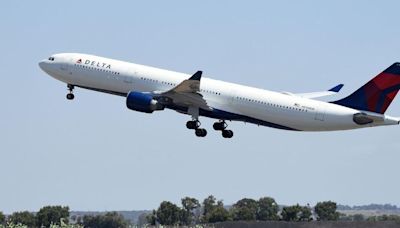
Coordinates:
<point>196,76</point>
<point>336,88</point>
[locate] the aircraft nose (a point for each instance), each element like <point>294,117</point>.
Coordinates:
<point>43,64</point>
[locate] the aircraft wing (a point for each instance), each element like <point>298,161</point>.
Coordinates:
<point>187,93</point>
<point>329,92</point>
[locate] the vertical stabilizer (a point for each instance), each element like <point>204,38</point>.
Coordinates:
<point>377,94</point>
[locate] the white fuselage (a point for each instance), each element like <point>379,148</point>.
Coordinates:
<point>270,108</point>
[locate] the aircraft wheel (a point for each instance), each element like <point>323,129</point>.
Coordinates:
<point>201,132</point>
<point>219,126</point>
<point>227,133</point>
<point>192,124</point>
<point>70,96</point>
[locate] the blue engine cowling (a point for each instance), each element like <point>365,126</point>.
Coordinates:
<point>142,102</point>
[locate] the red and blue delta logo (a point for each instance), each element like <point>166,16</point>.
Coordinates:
<point>79,61</point>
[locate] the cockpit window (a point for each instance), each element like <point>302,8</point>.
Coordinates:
<point>51,58</point>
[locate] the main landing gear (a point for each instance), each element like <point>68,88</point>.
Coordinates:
<point>194,125</point>
<point>218,126</point>
<point>70,95</point>
<point>221,126</point>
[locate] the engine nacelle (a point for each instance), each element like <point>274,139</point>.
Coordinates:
<point>142,102</point>
<point>362,118</point>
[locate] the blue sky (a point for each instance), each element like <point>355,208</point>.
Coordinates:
<point>95,154</point>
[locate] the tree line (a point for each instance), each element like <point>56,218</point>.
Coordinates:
<point>211,210</point>
<point>190,212</point>
<point>59,216</point>
<point>44,217</point>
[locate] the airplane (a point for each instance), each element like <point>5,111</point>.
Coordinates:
<point>148,89</point>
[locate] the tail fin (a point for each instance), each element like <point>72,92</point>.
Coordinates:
<point>377,94</point>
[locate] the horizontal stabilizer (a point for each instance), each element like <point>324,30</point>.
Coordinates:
<point>329,92</point>
<point>336,88</point>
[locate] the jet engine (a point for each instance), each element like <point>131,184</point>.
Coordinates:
<point>142,102</point>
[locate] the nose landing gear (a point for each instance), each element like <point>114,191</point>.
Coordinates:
<point>221,126</point>
<point>70,95</point>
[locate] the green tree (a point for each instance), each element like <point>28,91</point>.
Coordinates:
<point>326,211</point>
<point>267,209</point>
<point>143,220</point>
<point>245,209</point>
<point>108,220</point>
<point>152,218</point>
<point>24,217</point>
<point>2,218</point>
<point>218,214</point>
<point>168,213</point>
<point>189,206</point>
<point>296,213</point>
<point>209,204</point>
<point>305,214</point>
<point>214,211</point>
<point>291,213</point>
<point>52,215</point>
